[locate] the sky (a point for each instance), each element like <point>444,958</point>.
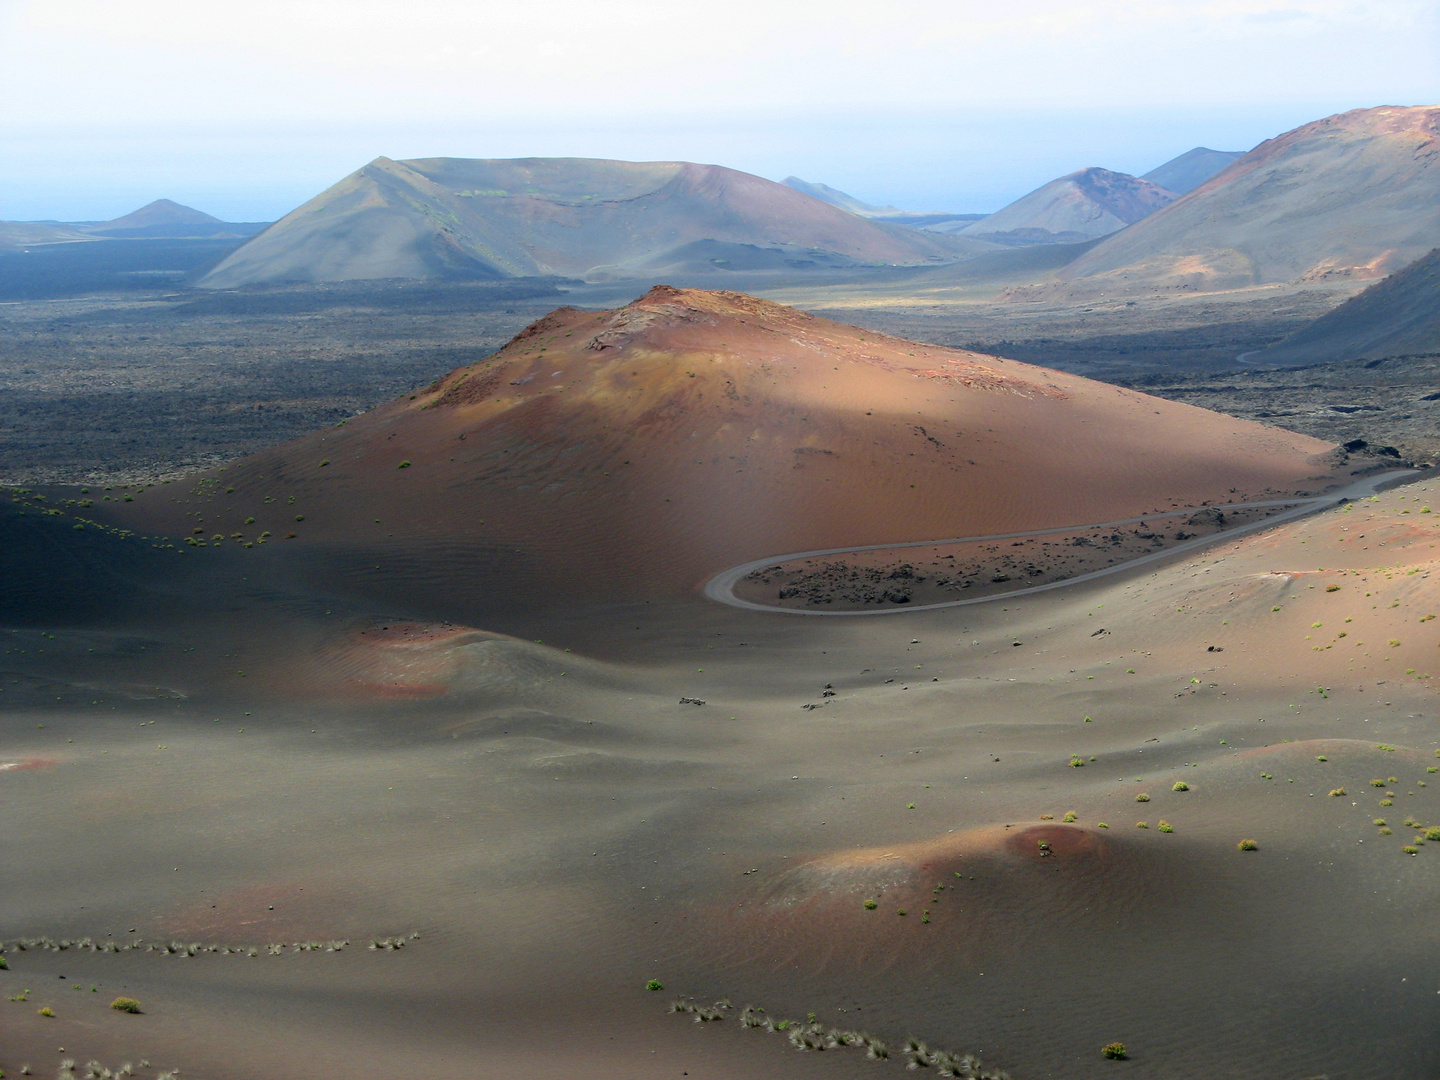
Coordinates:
<point>246,109</point>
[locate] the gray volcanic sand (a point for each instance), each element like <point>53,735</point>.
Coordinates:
<point>228,761</point>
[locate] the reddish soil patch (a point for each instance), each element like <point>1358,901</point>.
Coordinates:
<point>19,764</point>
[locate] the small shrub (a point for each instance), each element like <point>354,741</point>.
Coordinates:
<point>1142,797</point>
<point>1101,825</point>
<point>1332,588</point>
<point>46,1011</point>
<point>1114,1051</point>
<point>1387,802</point>
<point>870,905</point>
<point>1338,792</point>
<point>1322,757</point>
<point>1386,831</point>
<point>1142,824</point>
<point>1379,821</point>
<point>1180,785</point>
<point>4,964</point>
<point>1407,849</point>
<point>1069,816</point>
<point>1165,826</point>
<point>1248,845</point>
<point>1432,833</point>
<point>1077,763</point>
<point>127,1005</point>
<point>403,465</point>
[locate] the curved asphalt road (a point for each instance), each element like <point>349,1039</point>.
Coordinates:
<point>722,586</point>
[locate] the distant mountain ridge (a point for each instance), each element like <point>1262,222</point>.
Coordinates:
<point>25,234</point>
<point>836,197</point>
<point>575,217</point>
<point>1351,197</point>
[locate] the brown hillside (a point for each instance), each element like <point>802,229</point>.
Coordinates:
<point>638,451</point>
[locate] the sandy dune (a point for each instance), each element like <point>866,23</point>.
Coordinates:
<point>239,748</point>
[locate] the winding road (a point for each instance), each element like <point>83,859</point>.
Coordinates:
<point>721,587</point>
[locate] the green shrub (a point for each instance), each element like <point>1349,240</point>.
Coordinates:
<point>46,1011</point>
<point>1114,1051</point>
<point>403,465</point>
<point>870,905</point>
<point>1142,797</point>
<point>1165,826</point>
<point>125,1005</point>
<point>1069,816</point>
<point>1408,850</point>
<point>1180,785</point>
<point>1248,845</point>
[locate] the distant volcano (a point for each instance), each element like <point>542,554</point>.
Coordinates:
<point>575,217</point>
<point>164,218</point>
<point>1191,169</point>
<point>1075,208</point>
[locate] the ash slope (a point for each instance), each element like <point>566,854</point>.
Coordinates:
<point>577,217</point>
<point>636,452</point>
<point>1353,196</point>
<point>1396,317</point>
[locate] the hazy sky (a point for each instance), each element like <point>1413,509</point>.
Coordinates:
<point>247,108</point>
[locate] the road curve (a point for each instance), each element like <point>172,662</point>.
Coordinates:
<point>721,587</point>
